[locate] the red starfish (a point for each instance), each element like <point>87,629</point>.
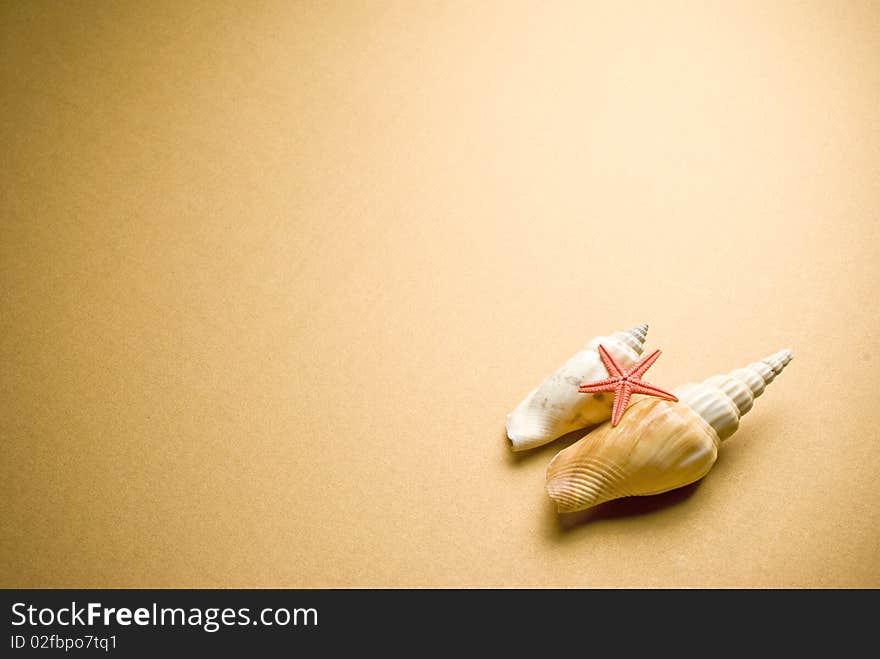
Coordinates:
<point>625,383</point>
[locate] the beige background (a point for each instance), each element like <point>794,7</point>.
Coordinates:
<point>273,274</point>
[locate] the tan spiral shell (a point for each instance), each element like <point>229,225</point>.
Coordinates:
<point>659,445</point>
<point>555,407</point>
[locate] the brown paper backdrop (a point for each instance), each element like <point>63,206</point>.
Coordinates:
<point>273,274</point>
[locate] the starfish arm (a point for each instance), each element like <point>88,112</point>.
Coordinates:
<point>621,400</point>
<point>643,365</point>
<point>651,390</point>
<point>610,384</point>
<point>594,389</point>
<point>611,365</point>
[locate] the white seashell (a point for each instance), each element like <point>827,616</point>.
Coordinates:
<point>659,445</point>
<point>555,407</point>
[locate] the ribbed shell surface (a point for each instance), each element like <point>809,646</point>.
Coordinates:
<point>658,446</point>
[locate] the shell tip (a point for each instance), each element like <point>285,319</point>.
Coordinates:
<point>780,357</point>
<point>635,337</point>
<point>511,437</point>
<point>517,442</point>
<point>641,330</point>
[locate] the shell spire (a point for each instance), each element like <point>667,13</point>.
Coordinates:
<point>723,399</point>
<point>634,337</point>
<point>556,407</point>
